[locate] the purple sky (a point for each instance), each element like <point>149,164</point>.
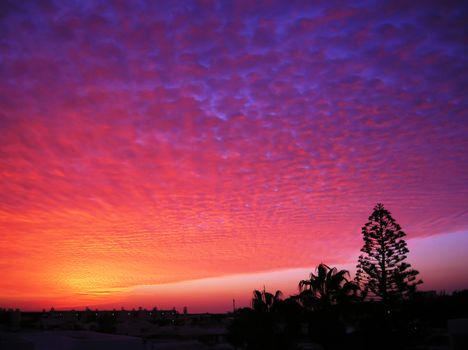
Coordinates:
<point>158,142</point>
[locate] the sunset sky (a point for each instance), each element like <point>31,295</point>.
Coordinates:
<point>179,153</point>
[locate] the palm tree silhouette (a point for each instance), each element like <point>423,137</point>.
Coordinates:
<point>263,301</point>
<point>326,287</point>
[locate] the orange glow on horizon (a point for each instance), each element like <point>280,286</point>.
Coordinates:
<point>151,143</point>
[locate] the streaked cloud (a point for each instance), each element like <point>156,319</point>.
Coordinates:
<point>146,143</point>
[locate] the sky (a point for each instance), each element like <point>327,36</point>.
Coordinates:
<point>183,153</point>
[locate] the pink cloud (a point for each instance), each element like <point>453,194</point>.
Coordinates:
<point>145,145</point>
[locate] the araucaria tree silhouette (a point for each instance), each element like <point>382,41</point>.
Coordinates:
<point>382,271</point>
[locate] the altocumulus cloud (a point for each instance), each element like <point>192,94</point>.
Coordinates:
<point>151,142</point>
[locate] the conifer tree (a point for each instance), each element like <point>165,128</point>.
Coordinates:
<point>382,271</point>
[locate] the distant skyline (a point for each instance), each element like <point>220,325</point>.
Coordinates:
<point>182,153</point>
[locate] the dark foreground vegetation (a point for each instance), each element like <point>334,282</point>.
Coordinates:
<point>379,309</point>
<point>417,323</point>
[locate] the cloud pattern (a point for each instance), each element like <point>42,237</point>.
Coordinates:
<point>153,142</point>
